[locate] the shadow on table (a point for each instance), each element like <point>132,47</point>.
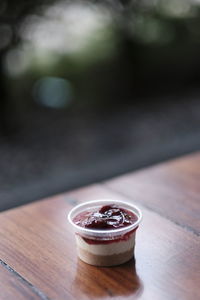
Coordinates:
<point>100,282</point>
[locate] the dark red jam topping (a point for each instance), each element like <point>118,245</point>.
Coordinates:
<point>107,217</point>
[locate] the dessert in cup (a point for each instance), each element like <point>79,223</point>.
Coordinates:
<point>105,231</point>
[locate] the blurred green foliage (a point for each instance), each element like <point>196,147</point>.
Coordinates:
<point>105,50</point>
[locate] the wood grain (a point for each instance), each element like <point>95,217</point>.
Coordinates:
<point>172,189</point>
<point>12,286</point>
<point>37,242</point>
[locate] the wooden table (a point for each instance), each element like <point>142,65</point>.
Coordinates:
<point>38,255</point>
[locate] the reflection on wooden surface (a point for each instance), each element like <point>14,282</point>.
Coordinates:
<point>98,282</point>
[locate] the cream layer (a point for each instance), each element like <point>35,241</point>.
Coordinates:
<point>117,247</point>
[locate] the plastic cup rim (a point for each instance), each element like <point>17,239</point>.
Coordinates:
<point>110,231</point>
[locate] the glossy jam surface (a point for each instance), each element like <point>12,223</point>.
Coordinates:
<point>105,218</point>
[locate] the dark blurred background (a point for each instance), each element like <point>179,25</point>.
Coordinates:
<point>93,89</point>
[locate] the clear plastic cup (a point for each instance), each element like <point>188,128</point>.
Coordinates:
<point>105,247</point>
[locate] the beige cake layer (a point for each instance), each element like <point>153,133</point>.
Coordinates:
<point>105,260</point>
